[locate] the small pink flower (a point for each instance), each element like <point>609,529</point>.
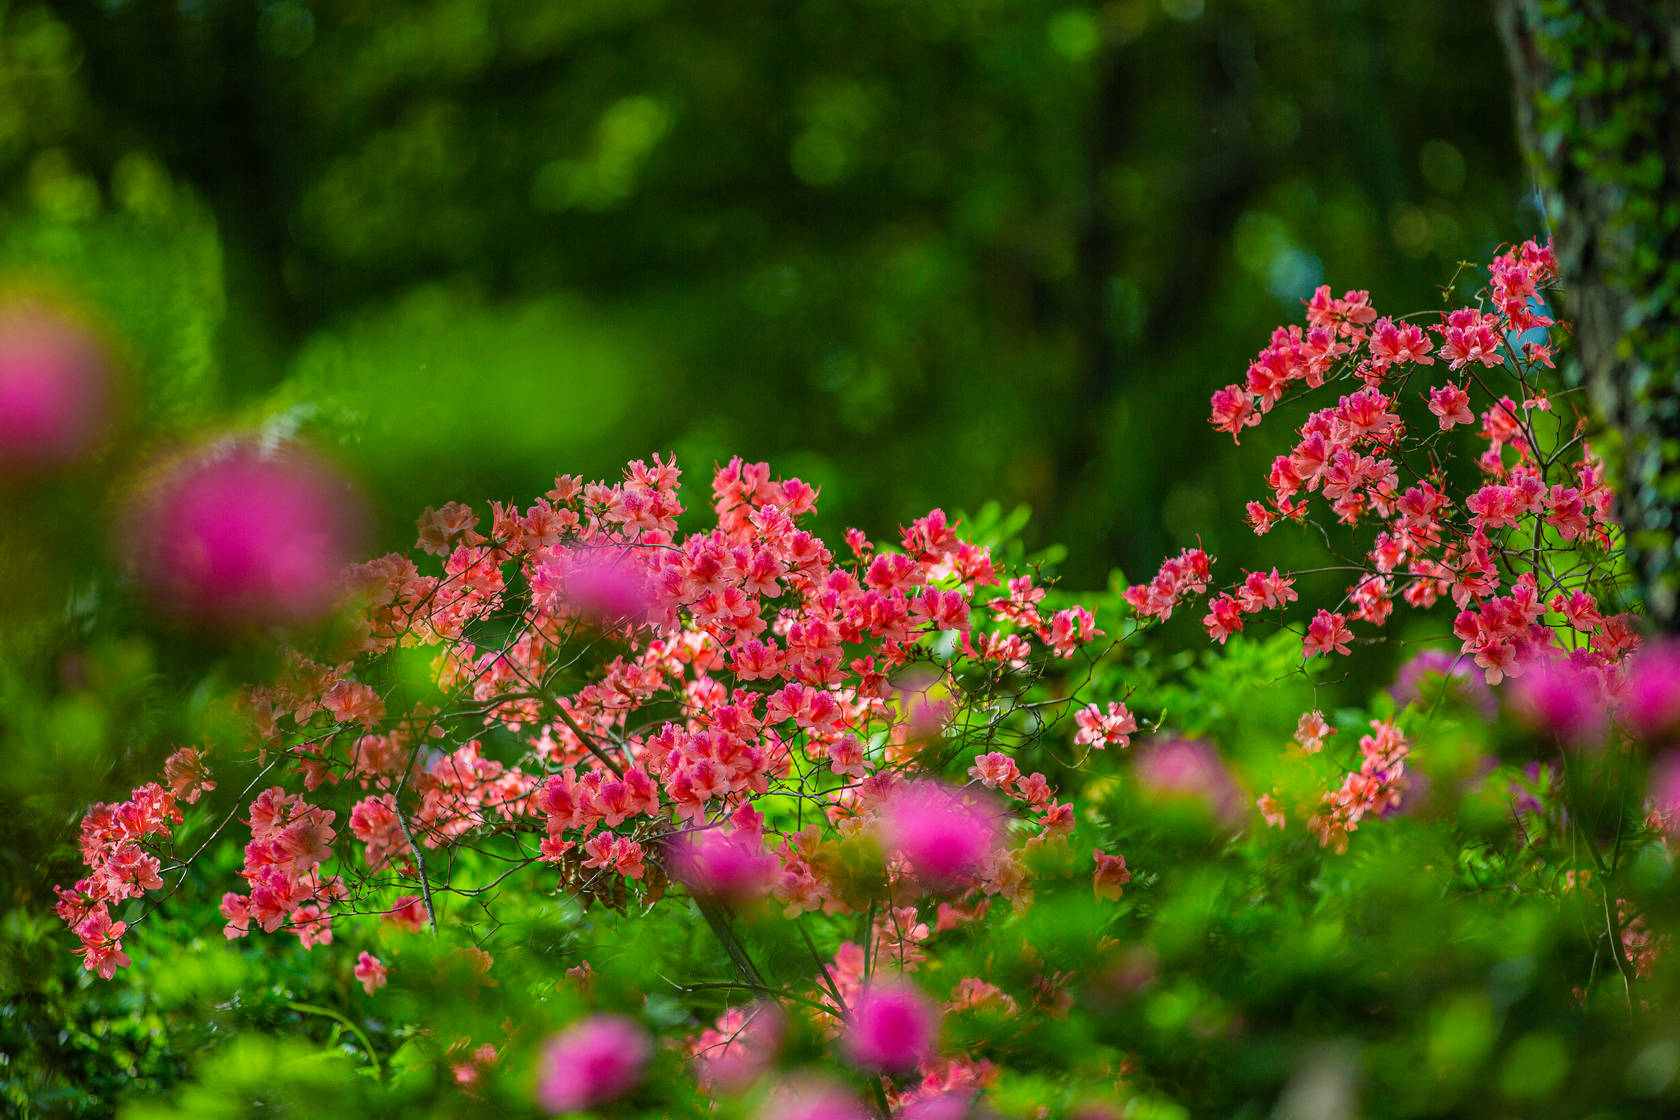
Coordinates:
<point>1111,874</point>
<point>596,1060</point>
<point>734,869</point>
<point>946,835</point>
<point>239,535</point>
<point>892,1028</point>
<point>55,390</point>
<point>370,972</point>
<point>1098,728</point>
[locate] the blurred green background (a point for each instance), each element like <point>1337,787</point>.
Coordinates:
<point>921,252</point>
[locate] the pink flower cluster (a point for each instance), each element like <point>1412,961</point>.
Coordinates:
<point>1504,551</point>
<point>114,847</point>
<point>654,684</point>
<point>290,841</point>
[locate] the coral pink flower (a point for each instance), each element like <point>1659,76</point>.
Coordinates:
<point>947,836</point>
<point>55,391</point>
<point>1099,728</point>
<point>591,1062</point>
<point>734,869</point>
<point>408,913</point>
<point>1326,632</point>
<point>1451,405</point>
<point>1311,730</point>
<point>1110,876</point>
<point>892,1028</point>
<point>236,535</point>
<point>370,971</point>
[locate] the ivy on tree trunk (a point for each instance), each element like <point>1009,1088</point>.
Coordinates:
<point>1598,105</point>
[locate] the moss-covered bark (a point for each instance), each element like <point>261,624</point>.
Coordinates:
<point>1598,104</point>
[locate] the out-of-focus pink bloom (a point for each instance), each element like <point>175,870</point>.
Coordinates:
<point>237,535</point>
<point>1434,674</point>
<point>1190,771</point>
<point>946,835</point>
<point>604,586</point>
<point>1652,707</point>
<point>924,702</point>
<point>946,1106</point>
<point>1558,698</point>
<point>591,1062</point>
<point>813,1099</point>
<point>55,390</point>
<point>742,1047</point>
<point>892,1028</point>
<point>734,869</point>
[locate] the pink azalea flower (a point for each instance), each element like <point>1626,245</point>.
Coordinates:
<point>732,868</point>
<point>596,1060</point>
<point>945,835</point>
<point>238,535</point>
<point>55,391</point>
<point>893,1027</point>
<point>370,971</point>
<point>1185,770</point>
<point>1652,707</point>
<point>1558,698</point>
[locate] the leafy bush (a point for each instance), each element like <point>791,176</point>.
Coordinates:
<point>602,803</point>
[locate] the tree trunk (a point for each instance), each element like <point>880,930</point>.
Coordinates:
<point>1598,106</point>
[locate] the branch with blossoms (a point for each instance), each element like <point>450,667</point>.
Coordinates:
<point>1523,543</point>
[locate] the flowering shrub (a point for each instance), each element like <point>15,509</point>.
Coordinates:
<point>822,813</point>
<point>738,709</point>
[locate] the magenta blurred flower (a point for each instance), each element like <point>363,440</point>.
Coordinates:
<point>946,1106</point>
<point>56,389</point>
<point>1190,771</point>
<point>596,1060</point>
<point>732,868</point>
<point>1435,674</point>
<point>946,835</point>
<point>892,1028</point>
<point>605,586</point>
<point>1651,708</point>
<point>236,535</point>
<point>813,1099</point>
<point>1561,699</point>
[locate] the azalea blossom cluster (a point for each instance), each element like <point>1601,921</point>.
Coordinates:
<point>1521,541</point>
<point>739,709</point>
